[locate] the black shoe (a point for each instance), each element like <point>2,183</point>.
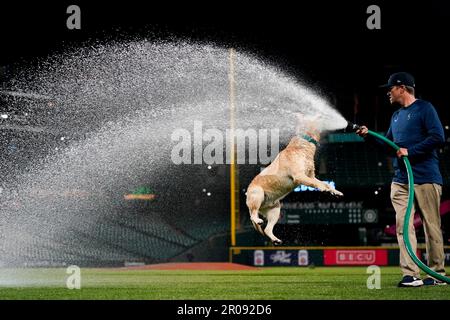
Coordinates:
<point>433,282</point>
<point>410,281</point>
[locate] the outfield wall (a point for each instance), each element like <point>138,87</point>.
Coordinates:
<point>322,256</point>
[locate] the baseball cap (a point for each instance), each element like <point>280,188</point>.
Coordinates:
<point>400,78</point>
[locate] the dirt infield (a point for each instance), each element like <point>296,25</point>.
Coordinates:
<point>193,266</point>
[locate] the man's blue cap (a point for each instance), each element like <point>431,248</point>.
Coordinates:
<point>400,78</point>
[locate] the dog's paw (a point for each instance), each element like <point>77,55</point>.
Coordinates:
<point>335,192</point>
<point>277,242</point>
<point>258,221</point>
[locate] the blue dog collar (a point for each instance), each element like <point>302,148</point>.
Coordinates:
<point>310,139</point>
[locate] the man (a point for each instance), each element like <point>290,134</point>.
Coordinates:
<point>417,130</point>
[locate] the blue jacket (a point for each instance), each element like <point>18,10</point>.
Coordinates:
<point>418,129</point>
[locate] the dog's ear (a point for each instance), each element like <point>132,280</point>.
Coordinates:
<point>300,123</point>
<point>312,118</point>
<point>314,124</point>
<point>300,117</point>
<point>315,118</point>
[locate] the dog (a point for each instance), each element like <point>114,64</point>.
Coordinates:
<point>293,166</point>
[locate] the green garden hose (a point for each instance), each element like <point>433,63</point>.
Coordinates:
<point>410,251</point>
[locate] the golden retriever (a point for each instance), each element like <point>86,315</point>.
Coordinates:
<point>293,166</point>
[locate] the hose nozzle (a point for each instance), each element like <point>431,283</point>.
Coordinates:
<point>352,127</point>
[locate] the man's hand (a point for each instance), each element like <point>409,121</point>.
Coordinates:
<point>402,152</point>
<point>362,131</point>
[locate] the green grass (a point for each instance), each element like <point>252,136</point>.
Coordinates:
<point>267,283</point>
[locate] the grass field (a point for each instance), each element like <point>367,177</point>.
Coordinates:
<point>267,283</point>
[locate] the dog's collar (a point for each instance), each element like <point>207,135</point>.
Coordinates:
<point>310,139</point>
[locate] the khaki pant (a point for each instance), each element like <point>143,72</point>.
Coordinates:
<point>427,199</point>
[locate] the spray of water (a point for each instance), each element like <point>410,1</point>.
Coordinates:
<point>115,106</point>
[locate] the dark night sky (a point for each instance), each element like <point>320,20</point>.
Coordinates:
<point>325,44</point>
